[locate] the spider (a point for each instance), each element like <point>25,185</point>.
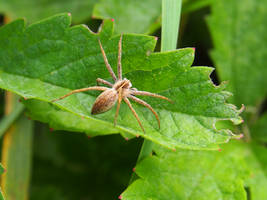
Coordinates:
<point>120,90</point>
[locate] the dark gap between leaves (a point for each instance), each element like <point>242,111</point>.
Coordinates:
<point>89,162</point>
<point>1,19</point>
<point>248,193</point>
<point>94,24</point>
<point>157,34</point>
<point>196,34</point>
<point>263,108</point>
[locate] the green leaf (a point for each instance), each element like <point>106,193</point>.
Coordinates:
<point>239,32</point>
<point>48,59</point>
<point>190,175</point>
<point>37,10</point>
<point>63,120</point>
<point>130,16</point>
<point>202,175</point>
<point>259,129</point>
<point>256,159</point>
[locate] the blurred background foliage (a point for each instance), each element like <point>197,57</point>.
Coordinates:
<point>104,165</point>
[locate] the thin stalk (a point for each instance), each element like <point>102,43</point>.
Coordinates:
<point>171,13</point>
<point>9,119</point>
<point>16,153</point>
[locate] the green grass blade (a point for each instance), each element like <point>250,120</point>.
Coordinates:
<point>16,155</point>
<point>171,12</point>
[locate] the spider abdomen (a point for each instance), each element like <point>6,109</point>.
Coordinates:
<point>104,101</point>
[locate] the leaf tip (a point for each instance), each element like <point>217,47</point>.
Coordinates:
<point>106,28</point>
<point>239,137</point>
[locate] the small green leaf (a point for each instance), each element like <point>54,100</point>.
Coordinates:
<point>48,59</point>
<point>190,175</point>
<point>239,32</point>
<point>37,10</point>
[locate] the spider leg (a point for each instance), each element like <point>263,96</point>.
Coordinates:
<point>119,60</point>
<point>81,90</point>
<point>137,100</point>
<point>100,80</point>
<point>106,62</point>
<point>118,106</point>
<point>133,111</point>
<point>144,93</point>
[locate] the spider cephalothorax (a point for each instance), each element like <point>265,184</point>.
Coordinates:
<point>120,90</point>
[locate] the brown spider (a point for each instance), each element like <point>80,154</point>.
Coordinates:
<point>121,89</point>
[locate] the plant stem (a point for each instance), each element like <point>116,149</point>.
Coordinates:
<point>16,153</point>
<point>171,13</point>
<point>9,119</point>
